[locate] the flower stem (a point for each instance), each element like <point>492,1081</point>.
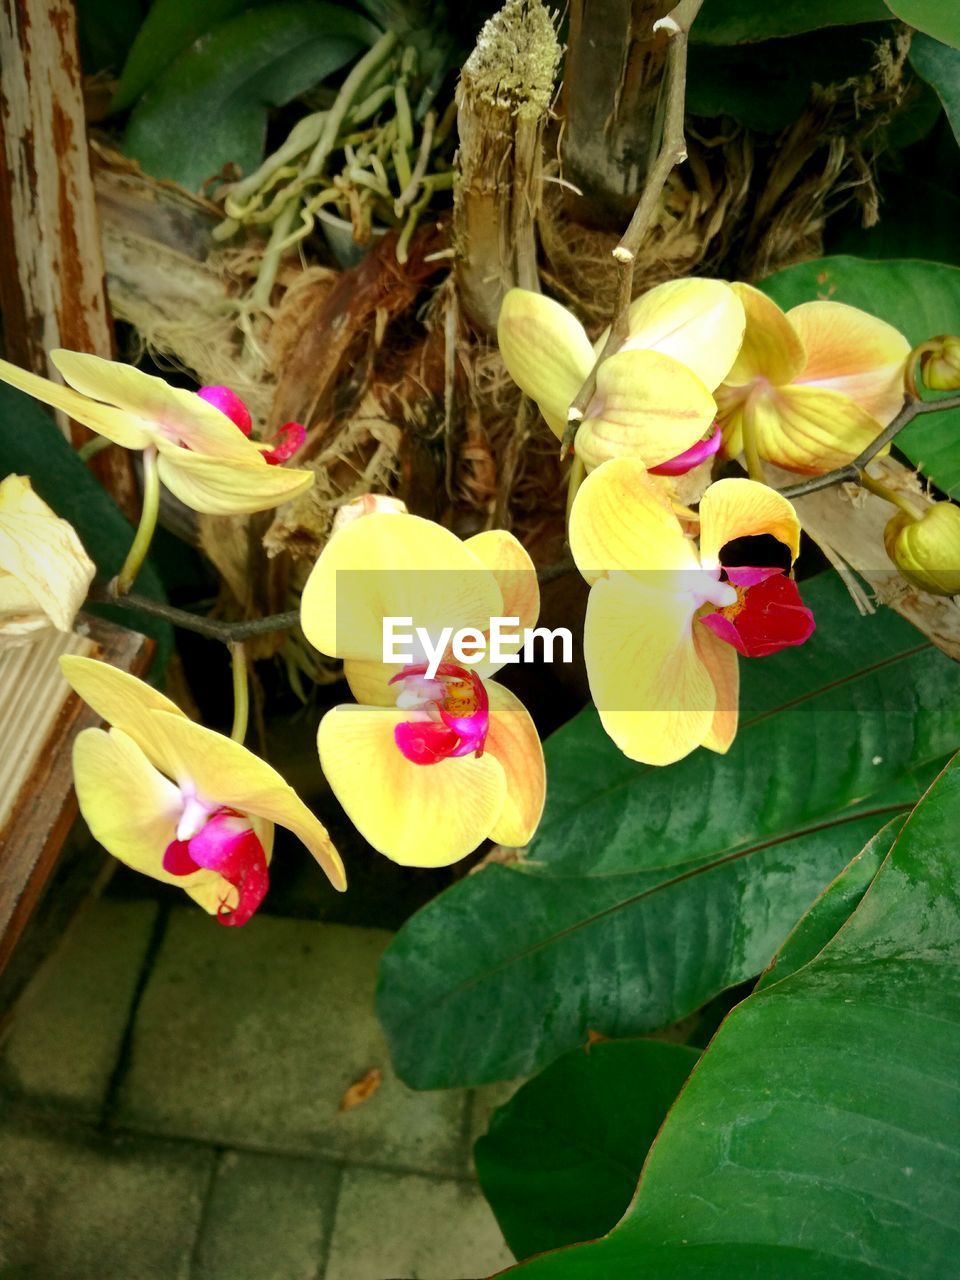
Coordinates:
<point>241,690</point>
<point>93,447</point>
<point>574,481</point>
<point>890,495</point>
<point>145,530</point>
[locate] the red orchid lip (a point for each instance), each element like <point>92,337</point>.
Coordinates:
<point>690,458</point>
<point>229,845</point>
<point>284,443</point>
<point>769,614</point>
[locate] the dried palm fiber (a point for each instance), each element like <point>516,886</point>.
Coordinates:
<point>503,103</point>
<point>745,204</point>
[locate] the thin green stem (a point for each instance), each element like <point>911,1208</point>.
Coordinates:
<point>241,690</point>
<point>226,632</point>
<point>146,528</point>
<point>93,447</point>
<point>890,495</point>
<point>578,474</point>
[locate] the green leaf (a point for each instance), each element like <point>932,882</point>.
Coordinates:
<point>766,86</point>
<point>939,65</point>
<point>938,18</point>
<point>169,28</point>
<point>649,891</point>
<point>31,444</point>
<point>819,1136</point>
<point>740,21</point>
<point>830,911</point>
<point>561,1159</point>
<point>106,29</point>
<point>922,299</point>
<point>918,219</point>
<point>210,108</point>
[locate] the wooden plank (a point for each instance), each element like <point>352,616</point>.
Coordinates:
<point>45,808</point>
<point>51,263</point>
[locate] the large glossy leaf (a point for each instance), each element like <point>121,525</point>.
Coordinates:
<point>938,18</point>
<point>819,1136</point>
<point>169,28</point>
<point>210,107</point>
<point>917,219</point>
<point>922,299</point>
<point>737,21</point>
<point>939,65</point>
<point>561,1159</point>
<point>648,891</point>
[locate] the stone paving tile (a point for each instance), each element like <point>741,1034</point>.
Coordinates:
<point>250,1037</point>
<point>68,1025</point>
<point>267,1218</point>
<point>417,1228</point>
<point>80,1208</point>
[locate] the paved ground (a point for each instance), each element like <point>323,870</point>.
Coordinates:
<point>169,1098</point>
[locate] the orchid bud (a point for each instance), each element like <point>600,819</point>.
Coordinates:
<point>370,504</point>
<point>927,550</point>
<point>941,364</point>
<point>44,571</point>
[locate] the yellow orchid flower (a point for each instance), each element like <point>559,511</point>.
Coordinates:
<point>652,399</point>
<point>665,621</point>
<point>179,802</point>
<point>204,459</point>
<point>812,387</point>
<point>45,573</point>
<point>426,767</point>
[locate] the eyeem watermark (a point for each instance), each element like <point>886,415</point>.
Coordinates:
<point>502,644</point>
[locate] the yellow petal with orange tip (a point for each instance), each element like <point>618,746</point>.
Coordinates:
<point>224,772</point>
<point>647,406</point>
<point>622,519</point>
<point>43,554</point>
<point>698,322</point>
<point>169,413</point>
<point>851,351</point>
<point>228,486</point>
<point>771,348</point>
<point>546,351</point>
<point>112,424</point>
<point>418,815</point>
<point>130,808</point>
<point>393,565</point>
<point>738,508</point>
<point>654,695</point>
<point>808,429</point>
<point>723,665</point>
<point>513,740</point>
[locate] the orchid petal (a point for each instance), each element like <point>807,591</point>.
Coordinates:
<point>546,351</point>
<point>370,681</point>
<point>808,429</point>
<point>772,349</point>
<point>225,773</point>
<point>654,694</point>
<point>130,808</point>
<point>647,406</point>
<point>512,739</point>
<point>43,553</point>
<point>854,353</point>
<point>417,815</point>
<point>516,575</point>
<point>167,413</point>
<point>621,519</point>
<point>108,422</point>
<point>221,486</point>
<point>738,508</point>
<point>723,666</point>
<point>698,322</point>
<point>393,565</point>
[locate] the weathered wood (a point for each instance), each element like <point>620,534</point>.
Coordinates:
<point>51,265</point>
<point>37,819</point>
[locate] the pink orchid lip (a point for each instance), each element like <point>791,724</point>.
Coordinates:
<point>691,457</point>
<point>424,739</point>
<point>285,442</point>
<point>229,845</point>
<point>230,404</point>
<point>768,616</point>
